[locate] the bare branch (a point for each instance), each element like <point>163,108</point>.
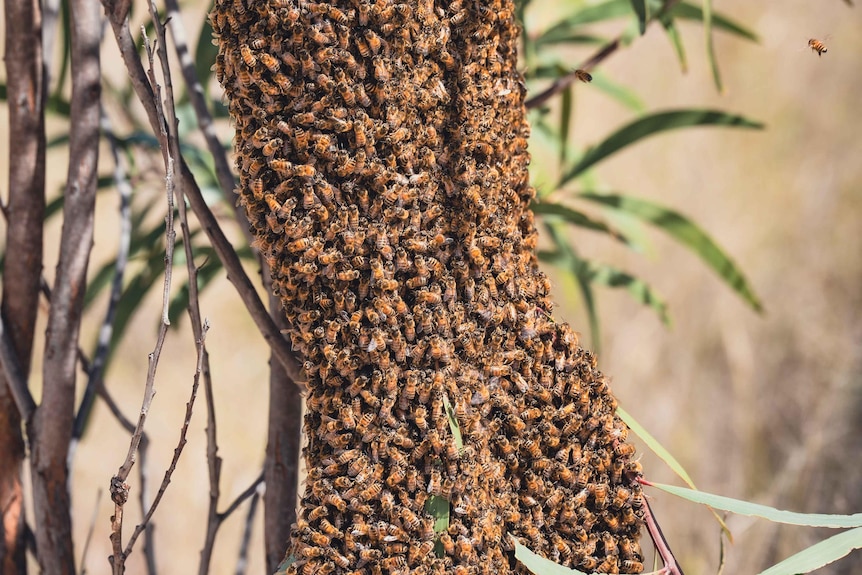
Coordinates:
<point>661,545</point>
<point>250,490</point>
<point>23,262</point>
<point>284,437</point>
<point>52,422</point>
<point>119,489</point>
<point>117,11</point>
<point>178,450</point>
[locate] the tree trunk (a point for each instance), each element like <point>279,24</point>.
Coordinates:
<point>382,151</point>
<point>23,254</point>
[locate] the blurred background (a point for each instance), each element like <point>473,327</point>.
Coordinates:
<point>763,407</point>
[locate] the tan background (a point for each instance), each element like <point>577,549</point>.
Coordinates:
<point>766,408</point>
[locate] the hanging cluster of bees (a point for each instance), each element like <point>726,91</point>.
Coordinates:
<point>382,151</point>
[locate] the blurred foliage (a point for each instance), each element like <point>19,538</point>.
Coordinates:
<point>564,205</point>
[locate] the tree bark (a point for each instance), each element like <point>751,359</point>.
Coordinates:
<point>51,429</point>
<point>23,263</point>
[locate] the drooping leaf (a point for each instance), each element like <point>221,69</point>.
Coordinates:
<point>689,11</point>
<point>688,234</point>
<point>282,567</point>
<point>453,423</point>
<point>565,122</point>
<point>819,555</point>
<point>676,41</point>
<point>652,124</point>
<point>438,508</point>
<point>608,10</point>
<point>764,511</point>
<point>538,564</point>
<point>576,218</point>
<point>641,9</point>
<point>655,446</point>
<point>639,289</point>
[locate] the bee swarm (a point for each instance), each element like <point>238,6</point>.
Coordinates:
<point>382,152</point>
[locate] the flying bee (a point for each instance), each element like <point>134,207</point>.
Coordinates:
<point>583,76</point>
<point>817,46</point>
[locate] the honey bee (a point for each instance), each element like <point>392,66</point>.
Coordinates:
<point>817,46</point>
<point>447,543</point>
<point>631,566</point>
<point>272,147</point>
<point>624,450</point>
<point>304,171</point>
<point>583,76</point>
<point>318,512</point>
<point>311,552</point>
<point>249,58</point>
<point>381,71</point>
<point>374,42</point>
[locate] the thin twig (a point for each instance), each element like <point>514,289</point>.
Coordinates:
<point>96,369</point>
<point>563,82</point>
<point>178,450</point>
<point>250,490</point>
<point>119,489</point>
<point>242,558</point>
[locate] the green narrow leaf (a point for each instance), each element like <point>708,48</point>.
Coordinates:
<point>656,447</point>
<point>764,511</point>
<point>453,423</point>
<point>676,41</point>
<point>819,554</point>
<point>595,13</point>
<point>538,564</point>
<point>688,11</point>
<point>438,508</point>
<point>640,290</point>
<point>710,50</point>
<point>688,234</point>
<point>652,124</point>
<point>576,218</point>
<point>642,11</point>
<point>565,122</point>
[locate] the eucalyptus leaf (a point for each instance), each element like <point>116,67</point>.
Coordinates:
<point>819,554</point>
<point>652,124</point>
<point>688,234</point>
<point>763,511</point>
